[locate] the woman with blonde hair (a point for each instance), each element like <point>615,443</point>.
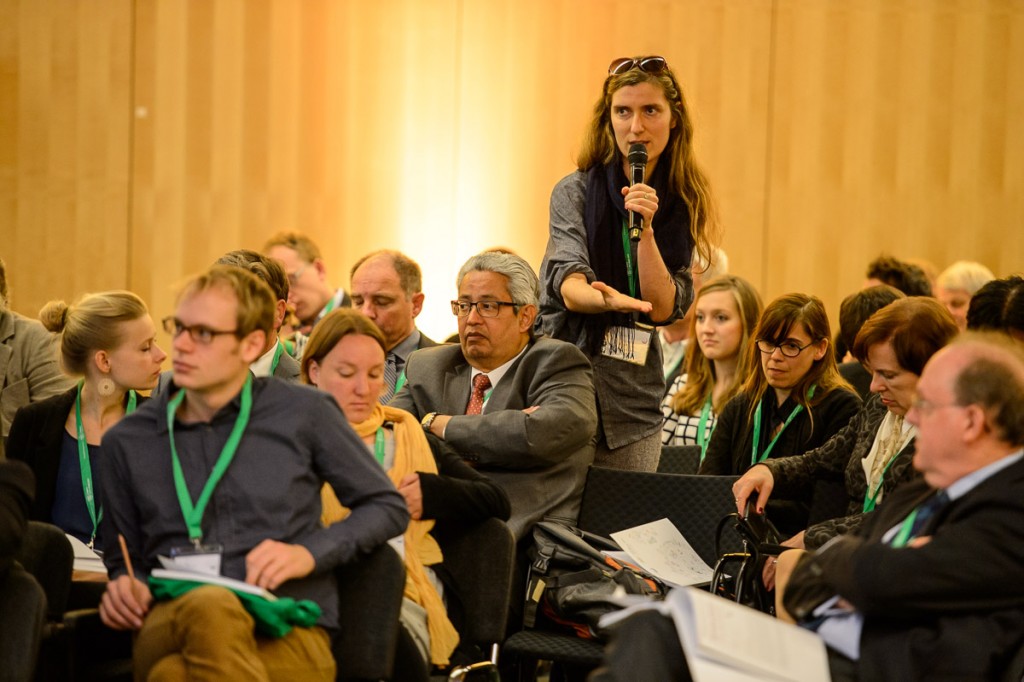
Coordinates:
<point>345,357</point>
<point>606,281</point>
<point>108,341</point>
<point>717,364</point>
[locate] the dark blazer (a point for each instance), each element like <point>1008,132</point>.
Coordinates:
<point>540,459</point>
<point>952,609</point>
<point>843,454</point>
<point>36,436</point>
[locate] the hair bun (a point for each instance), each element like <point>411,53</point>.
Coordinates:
<point>54,316</point>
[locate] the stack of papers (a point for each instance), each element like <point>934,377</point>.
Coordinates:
<point>661,550</point>
<point>207,579</point>
<point>85,559</point>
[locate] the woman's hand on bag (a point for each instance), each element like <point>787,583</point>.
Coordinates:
<point>758,479</point>
<point>642,199</point>
<point>619,302</point>
<point>768,574</point>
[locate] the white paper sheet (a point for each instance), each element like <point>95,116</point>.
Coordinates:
<point>659,548</point>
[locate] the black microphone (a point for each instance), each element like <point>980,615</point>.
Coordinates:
<point>637,166</point>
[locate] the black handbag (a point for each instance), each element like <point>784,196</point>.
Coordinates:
<point>571,583</point>
<point>737,575</point>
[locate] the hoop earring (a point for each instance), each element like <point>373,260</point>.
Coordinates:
<point>105,387</point>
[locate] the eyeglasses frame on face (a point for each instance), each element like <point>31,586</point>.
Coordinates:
<point>293,278</point>
<point>642,63</point>
<point>470,305</point>
<point>774,346</point>
<point>175,328</point>
<point>925,406</point>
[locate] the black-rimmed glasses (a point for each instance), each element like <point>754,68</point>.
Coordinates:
<point>483,308</point>
<point>199,333</point>
<point>788,348</point>
<point>654,65</point>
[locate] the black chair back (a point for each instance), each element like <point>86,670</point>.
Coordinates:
<point>480,559</point>
<point>614,500</point>
<point>21,624</point>
<point>369,601</point>
<point>46,554</point>
<point>679,459</point>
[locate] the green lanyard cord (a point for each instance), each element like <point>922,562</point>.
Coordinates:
<point>193,514</point>
<point>276,359</point>
<point>631,274</point>
<point>754,459</point>
<point>871,496</point>
<point>703,432</point>
<point>903,536</point>
<point>378,445</point>
<point>85,465</point>
<point>400,382</point>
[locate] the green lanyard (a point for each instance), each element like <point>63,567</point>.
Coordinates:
<point>378,445</point>
<point>627,248</point>
<point>703,432</point>
<point>327,308</point>
<point>86,466</point>
<point>903,536</point>
<point>754,459</point>
<point>194,514</point>
<point>276,359</point>
<point>871,496</point>
<point>400,382</point>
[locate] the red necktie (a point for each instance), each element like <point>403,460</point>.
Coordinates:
<point>476,401</point>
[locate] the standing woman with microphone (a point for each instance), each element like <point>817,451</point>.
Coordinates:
<point>605,285</point>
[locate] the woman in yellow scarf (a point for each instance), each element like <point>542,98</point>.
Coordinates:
<point>345,357</point>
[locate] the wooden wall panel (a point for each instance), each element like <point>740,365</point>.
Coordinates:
<point>65,85</point>
<point>891,132</point>
<point>140,139</point>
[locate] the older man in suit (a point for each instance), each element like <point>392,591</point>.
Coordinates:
<point>930,586</point>
<point>387,287</point>
<point>518,408</point>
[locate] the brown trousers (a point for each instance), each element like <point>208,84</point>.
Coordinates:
<point>206,634</point>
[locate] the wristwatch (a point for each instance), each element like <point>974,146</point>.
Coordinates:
<point>427,420</point>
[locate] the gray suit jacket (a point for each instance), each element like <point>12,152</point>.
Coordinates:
<point>28,367</point>
<point>540,459</point>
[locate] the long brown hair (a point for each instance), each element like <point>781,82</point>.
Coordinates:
<point>685,176</point>
<point>700,379</point>
<point>778,319</point>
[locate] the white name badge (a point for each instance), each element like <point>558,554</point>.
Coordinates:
<point>203,559</point>
<point>627,343</point>
<point>398,544</point>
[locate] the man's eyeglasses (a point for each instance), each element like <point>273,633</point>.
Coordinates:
<point>654,65</point>
<point>483,308</point>
<point>294,277</point>
<point>199,333</point>
<point>927,407</point>
<point>788,348</point>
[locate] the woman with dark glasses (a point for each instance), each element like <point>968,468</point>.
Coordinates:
<point>602,288</point>
<point>795,401</point>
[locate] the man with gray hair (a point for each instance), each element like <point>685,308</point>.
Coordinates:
<point>519,408</point>
<point>29,370</point>
<point>387,287</point>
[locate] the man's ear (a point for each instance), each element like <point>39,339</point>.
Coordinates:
<point>252,345</point>
<point>280,310</point>
<point>527,314</point>
<point>321,270</point>
<point>417,303</point>
<point>975,423</point>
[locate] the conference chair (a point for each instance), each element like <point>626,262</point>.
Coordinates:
<point>614,500</point>
<point>679,459</point>
<point>21,624</point>
<point>369,601</point>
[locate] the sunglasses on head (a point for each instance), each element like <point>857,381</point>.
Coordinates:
<point>653,65</point>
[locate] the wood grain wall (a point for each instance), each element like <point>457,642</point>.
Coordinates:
<point>140,139</point>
